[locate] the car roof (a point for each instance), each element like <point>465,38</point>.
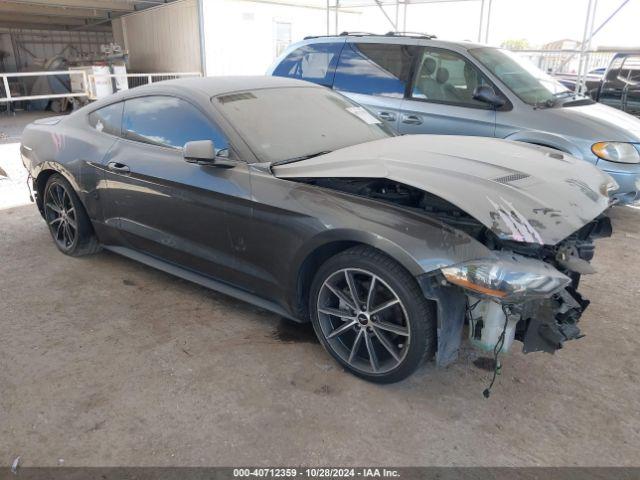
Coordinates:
<point>204,86</point>
<point>422,39</point>
<point>627,53</point>
<point>213,86</point>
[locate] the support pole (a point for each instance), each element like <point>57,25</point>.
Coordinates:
<point>394,25</point>
<point>328,19</point>
<point>481,21</point>
<point>585,45</point>
<point>7,92</point>
<point>600,27</point>
<point>397,12</point>
<point>404,16</point>
<point>336,16</point>
<point>615,12</point>
<point>486,33</point>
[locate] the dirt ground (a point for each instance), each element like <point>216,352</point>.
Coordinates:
<point>13,176</point>
<point>106,362</point>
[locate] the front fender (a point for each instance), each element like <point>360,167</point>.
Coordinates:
<point>450,301</point>
<point>347,235</point>
<point>546,139</point>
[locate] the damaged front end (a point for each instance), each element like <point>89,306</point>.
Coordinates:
<point>526,292</point>
<point>526,288</point>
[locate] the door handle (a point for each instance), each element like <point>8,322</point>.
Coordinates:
<point>412,119</point>
<point>118,167</point>
<point>388,116</point>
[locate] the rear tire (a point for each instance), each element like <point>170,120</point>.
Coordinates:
<point>371,316</point>
<point>67,219</point>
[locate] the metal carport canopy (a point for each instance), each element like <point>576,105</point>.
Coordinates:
<point>398,19</point>
<point>71,15</point>
<point>484,20</point>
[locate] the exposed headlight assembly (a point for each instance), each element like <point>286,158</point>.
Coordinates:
<point>620,152</point>
<point>610,187</point>
<point>509,278</point>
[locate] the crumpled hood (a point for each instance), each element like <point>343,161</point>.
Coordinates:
<point>521,192</point>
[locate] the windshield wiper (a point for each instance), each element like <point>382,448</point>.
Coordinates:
<point>297,159</point>
<point>567,93</point>
<point>551,102</point>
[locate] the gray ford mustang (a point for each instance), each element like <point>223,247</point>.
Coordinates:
<point>290,196</point>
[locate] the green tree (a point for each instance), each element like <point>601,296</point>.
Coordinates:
<point>516,44</point>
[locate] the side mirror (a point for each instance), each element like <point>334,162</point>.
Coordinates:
<point>203,152</point>
<point>486,94</point>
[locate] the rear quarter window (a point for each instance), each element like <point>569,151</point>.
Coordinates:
<point>314,63</point>
<point>107,119</point>
<point>375,69</point>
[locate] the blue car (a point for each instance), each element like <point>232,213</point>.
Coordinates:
<point>418,84</point>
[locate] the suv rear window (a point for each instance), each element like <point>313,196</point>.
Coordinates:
<point>314,63</point>
<point>374,68</point>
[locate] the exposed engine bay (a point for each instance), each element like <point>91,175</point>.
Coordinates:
<point>541,322</point>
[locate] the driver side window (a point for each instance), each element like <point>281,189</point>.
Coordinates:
<point>446,77</point>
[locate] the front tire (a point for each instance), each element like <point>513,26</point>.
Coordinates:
<point>67,219</point>
<point>371,316</point>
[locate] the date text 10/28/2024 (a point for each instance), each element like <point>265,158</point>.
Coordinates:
<point>316,472</point>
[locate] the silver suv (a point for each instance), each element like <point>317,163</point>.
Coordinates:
<point>421,85</point>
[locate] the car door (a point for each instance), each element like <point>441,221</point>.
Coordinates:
<point>440,99</point>
<point>106,122</point>
<point>613,84</point>
<point>376,75</point>
<point>631,89</point>
<point>164,206</point>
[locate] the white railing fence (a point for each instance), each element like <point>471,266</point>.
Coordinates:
<point>566,61</point>
<point>79,83</point>
<point>63,76</point>
<point>140,79</point>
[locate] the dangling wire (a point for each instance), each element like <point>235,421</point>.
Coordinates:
<point>470,309</point>
<point>496,351</point>
<point>29,184</point>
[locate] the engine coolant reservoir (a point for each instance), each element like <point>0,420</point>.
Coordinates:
<point>486,325</point>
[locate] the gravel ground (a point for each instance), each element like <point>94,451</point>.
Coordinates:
<point>107,362</point>
<point>13,177</point>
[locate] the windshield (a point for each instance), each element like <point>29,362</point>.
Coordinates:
<point>527,81</point>
<point>281,124</point>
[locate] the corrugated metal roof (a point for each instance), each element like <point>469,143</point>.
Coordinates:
<point>68,14</point>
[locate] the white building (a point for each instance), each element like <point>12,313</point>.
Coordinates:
<point>220,37</point>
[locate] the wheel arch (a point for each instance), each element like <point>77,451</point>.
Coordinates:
<point>42,177</point>
<point>331,243</point>
<point>548,140</point>
<point>39,183</point>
